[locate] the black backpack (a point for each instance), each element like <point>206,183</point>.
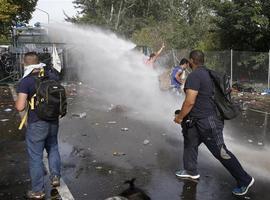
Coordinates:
<point>50,99</point>
<point>226,108</point>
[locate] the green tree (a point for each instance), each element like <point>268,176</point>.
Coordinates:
<point>242,24</point>
<point>123,16</point>
<point>187,25</point>
<point>13,11</point>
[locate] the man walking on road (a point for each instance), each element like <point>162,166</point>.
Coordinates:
<point>40,134</point>
<point>200,124</point>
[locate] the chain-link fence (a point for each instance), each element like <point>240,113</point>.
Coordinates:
<point>250,69</point>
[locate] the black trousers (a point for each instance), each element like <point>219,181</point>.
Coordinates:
<point>210,132</point>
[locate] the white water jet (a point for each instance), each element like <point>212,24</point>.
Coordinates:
<point>109,64</point>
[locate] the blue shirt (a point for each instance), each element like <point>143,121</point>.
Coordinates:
<point>174,81</point>
<point>27,86</point>
<point>200,80</point>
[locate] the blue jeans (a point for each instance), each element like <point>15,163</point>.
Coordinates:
<point>209,131</point>
<point>42,135</point>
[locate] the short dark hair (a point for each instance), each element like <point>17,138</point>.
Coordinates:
<point>197,56</point>
<point>32,54</point>
<point>183,61</point>
<point>152,55</point>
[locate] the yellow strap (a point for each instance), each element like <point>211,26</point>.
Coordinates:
<point>23,120</point>
<point>32,102</point>
<point>32,106</point>
<point>41,72</point>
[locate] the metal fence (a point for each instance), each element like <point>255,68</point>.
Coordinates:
<point>249,68</point>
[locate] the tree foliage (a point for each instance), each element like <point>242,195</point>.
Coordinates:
<point>205,24</point>
<point>180,23</point>
<point>243,24</point>
<point>13,11</point>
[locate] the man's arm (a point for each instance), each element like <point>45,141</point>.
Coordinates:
<point>21,102</point>
<point>178,76</point>
<point>158,53</point>
<point>188,104</point>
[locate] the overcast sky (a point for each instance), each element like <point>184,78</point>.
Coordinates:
<point>55,9</point>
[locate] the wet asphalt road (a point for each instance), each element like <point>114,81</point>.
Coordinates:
<point>92,171</point>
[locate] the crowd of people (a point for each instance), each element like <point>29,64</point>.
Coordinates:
<point>197,116</point>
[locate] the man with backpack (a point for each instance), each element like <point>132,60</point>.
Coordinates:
<point>35,93</point>
<point>202,120</point>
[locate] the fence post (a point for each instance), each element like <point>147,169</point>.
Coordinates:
<point>268,84</point>
<point>231,81</point>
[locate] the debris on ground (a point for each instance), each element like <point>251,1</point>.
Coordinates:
<point>124,129</point>
<point>8,110</point>
<point>4,120</point>
<point>119,153</point>
<point>71,89</point>
<point>79,115</point>
<point>266,92</point>
<point>78,172</point>
<point>77,151</point>
<point>111,122</point>
<point>254,101</point>
<point>99,167</point>
<point>242,88</point>
<point>260,143</point>
<point>250,141</point>
<point>145,142</point>
<point>117,108</point>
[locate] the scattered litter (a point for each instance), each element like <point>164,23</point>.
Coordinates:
<point>116,108</point>
<point>247,197</point>
<point>145,142</point>
<point>112,122</point>
<point>96,124</point>
<point>80,83</point>
<point>124,129</point>
<point>110,171</point>
<point>94,161</point>
<point>99,167</point>
<point>119,153</point>
<point>244,106</point>
<point>250,141</point>
<point>240,94</point>
<point>79,115</point>
<point>260,143</point>
<point>79,152</point>
<point>8,110</point>
<point>266,92</point>
<point>164,134</point>
<point>4,120</point>
<point>78,172</point>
